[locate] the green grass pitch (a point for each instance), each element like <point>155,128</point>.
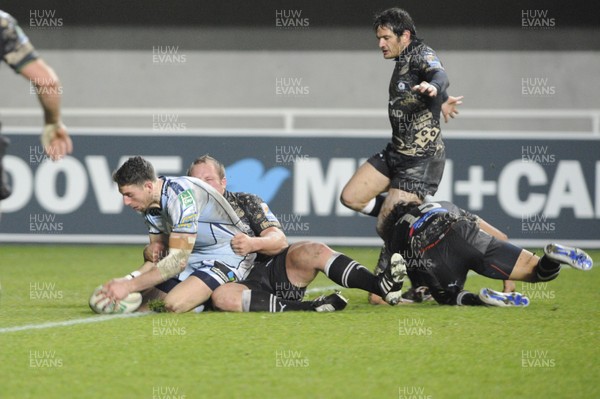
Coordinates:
<point>547,350</point>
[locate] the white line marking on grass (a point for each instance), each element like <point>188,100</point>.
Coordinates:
<point>102,318</point>
<point>71,322</point>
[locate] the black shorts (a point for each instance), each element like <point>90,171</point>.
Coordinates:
<point>465,247</point>
<point>418,175</point>
<point>271,276</point>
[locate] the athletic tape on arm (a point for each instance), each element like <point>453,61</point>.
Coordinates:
<point>49,133</point>
<point>173,263</point>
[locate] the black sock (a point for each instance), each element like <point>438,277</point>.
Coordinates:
<point>466,298</point>
<point>262,301</point>
<point>547,269</point>
<point>377,207</point>
<point>383,261</point>
<point>351,274</point>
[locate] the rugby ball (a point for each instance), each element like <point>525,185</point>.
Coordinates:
<point>103,305</point>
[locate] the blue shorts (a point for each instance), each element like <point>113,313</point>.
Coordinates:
<point>213,275</point>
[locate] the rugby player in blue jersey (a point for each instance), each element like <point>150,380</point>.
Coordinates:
<point>193,224</point>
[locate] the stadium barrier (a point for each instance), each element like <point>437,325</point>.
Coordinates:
<point>536,188</point>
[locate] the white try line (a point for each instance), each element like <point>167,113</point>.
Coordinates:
<point>102,318</point>
<point>73,322</point>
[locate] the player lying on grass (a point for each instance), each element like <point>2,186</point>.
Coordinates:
<point>278,281</point>
<point>193,223</point>
<point>445,242</point>
<point>419,292</point>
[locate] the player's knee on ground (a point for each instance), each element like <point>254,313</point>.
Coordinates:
<point>225,300</point>
<point>149,295</point>
<point>178,305</point>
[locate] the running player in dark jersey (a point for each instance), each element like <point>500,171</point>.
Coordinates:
<point>18,52</point>
<point>442,242</point>
<point>278,281</point>
<point>411,166</point>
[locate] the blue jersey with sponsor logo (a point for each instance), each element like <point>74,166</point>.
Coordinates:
<point>190,206</point>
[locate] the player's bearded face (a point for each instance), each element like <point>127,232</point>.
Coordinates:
<point>137,197</point>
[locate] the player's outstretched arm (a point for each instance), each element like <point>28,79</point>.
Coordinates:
<point>55,139</point>
<point>180,249</point>
<point>450,107</point>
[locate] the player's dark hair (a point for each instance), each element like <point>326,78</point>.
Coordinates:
<point>135,171</point>
<point>396,213</point>
<point>397,20</point>
<point>205,159</point>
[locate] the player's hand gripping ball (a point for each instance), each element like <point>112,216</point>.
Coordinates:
<point>103,305</point>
